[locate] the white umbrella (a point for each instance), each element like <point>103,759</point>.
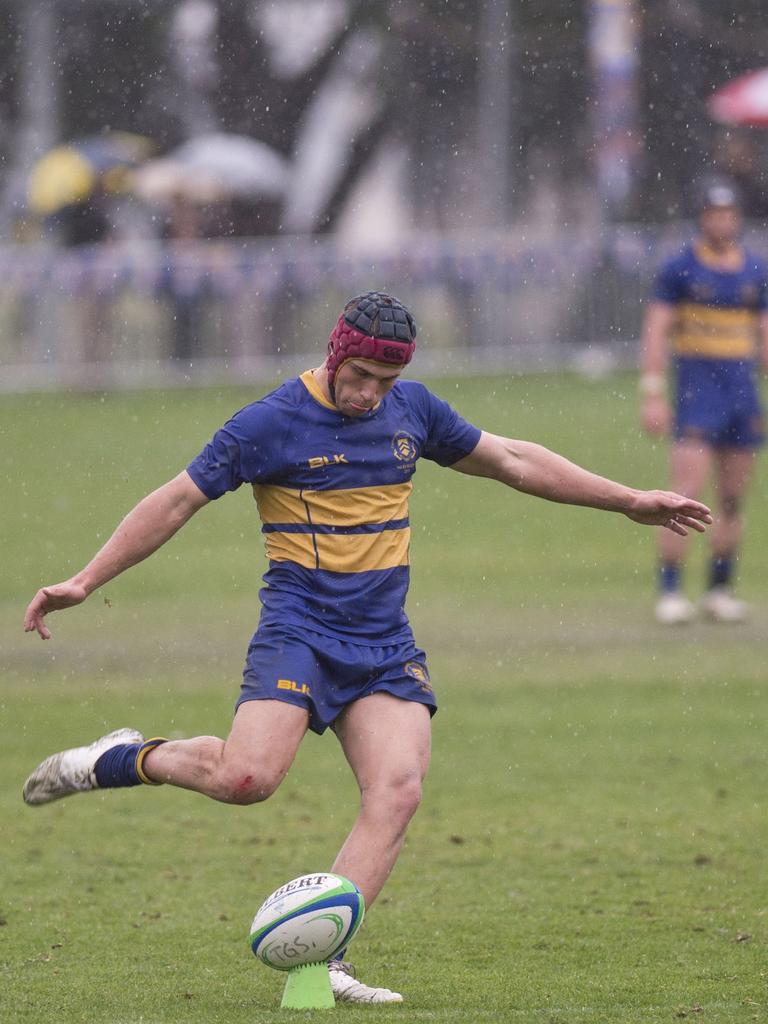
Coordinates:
<point>214,166</point>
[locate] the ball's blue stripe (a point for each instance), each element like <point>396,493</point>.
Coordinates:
<point>353,900</point>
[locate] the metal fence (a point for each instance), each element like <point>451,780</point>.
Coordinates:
<point>159,314</point>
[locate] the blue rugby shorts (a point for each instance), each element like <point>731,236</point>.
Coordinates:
<point>324,674</point>
<point>718,403</point>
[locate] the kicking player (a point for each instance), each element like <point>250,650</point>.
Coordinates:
<point>709,305</point>
<point>330,457</point>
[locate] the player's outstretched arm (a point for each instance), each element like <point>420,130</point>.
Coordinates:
<point>146,528</point>
<point>536,470</point>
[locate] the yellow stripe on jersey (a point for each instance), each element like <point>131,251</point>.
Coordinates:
<point>341,552</point>
<point>359,505</point>
<point>355,506</point>
<point>345,509</point>
<point>714,332</point>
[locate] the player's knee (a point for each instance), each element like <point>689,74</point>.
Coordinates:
<point>399,800</point>
<point>247,785</point>
<point>409,798</point>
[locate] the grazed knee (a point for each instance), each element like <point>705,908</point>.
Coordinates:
<point>237,785</point>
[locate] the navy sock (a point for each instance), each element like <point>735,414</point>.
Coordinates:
<point>669,577</point>
<point>720,571</point>
<point>123,765</point>
<point>117,766</point>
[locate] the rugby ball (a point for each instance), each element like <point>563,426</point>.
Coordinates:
<point>306,921</point>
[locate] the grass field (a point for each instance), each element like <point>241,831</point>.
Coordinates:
<point>591,848</point>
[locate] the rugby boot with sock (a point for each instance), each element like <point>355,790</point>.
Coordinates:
<point>347,989</point>
<point>73,771</point>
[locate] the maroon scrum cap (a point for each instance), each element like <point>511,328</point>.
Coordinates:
<point>373,326</point>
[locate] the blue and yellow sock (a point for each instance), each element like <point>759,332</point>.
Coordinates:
<point>720,571</point>
<point>669,577</point>
<point>121,765</point>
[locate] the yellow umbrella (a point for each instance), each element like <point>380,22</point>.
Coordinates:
<point>68,174</point>
<point>62,177</point>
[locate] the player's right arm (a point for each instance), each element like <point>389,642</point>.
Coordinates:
<point>657,325</point>
<point>145,529</point>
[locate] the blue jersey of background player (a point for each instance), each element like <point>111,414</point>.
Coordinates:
<point>707,323</point>
<point>330,457</point>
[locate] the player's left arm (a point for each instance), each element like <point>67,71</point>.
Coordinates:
<point>536,470</point>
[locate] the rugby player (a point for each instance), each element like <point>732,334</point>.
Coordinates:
<point>710,306</point>
<point>330,457</point>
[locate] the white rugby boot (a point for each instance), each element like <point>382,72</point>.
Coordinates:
<point>674,609</point>
<point>347,989</point>
<point>720,605</point>
<point>71,771</point>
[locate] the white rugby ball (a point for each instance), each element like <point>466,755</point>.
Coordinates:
<point>306,921</point>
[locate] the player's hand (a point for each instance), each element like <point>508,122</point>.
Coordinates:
<point>655,415</point>
<point>51,599</point>
<point>670,510</point>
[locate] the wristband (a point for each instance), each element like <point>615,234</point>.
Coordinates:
<point>652,384</point>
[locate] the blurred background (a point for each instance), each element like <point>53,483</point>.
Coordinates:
<point>189,188</point>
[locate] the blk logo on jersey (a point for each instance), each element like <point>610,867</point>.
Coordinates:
<point>327,460</point>
<point>404,447</point>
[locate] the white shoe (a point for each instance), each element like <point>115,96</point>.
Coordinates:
<point>720,605</point>
<point>71,771</point>
<point>674,609</point>
<point>347,989</point>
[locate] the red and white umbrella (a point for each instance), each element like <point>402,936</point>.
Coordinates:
<point>744,101</point>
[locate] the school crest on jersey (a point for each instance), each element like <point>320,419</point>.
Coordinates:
<point>404,447</point>
<point>750,295</point>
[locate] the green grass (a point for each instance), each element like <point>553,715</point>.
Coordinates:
<point>591,847</point>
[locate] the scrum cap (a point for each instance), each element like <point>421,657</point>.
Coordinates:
<point>373,326</point>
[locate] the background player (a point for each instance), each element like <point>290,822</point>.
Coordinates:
<point>330,456</point>
<point>709,306</point>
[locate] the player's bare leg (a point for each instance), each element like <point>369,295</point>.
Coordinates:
<point>689,465</point>
<point>733,470</point>
<point>245,768</point>
<point>387,744</point>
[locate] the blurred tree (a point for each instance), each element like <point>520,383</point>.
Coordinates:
<point>423,88</point>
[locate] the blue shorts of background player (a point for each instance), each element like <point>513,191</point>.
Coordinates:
<point>324,674</point>
<point>717,403</point>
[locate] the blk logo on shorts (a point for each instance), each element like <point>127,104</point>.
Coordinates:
<point>293,686</point>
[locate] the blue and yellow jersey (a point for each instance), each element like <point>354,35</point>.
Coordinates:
<point>718,310</point>
<point>332,492</point>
